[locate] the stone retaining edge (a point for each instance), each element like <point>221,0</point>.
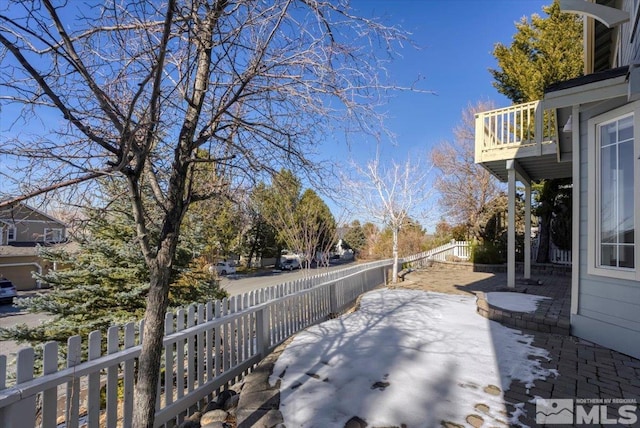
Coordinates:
<point>525,320</point>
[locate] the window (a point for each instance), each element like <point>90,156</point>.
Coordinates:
<point>11,233</point>
<point>53,235</point>
<point>614,181</point>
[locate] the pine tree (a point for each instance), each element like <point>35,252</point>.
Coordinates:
<point>355,237</point>
<point>543,51</point>
<point>102,280</point>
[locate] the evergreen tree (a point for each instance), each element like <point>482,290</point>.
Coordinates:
<point>102,280</point>
<point>543,51</point>
<point>355,237</point>
<point>315,226</point>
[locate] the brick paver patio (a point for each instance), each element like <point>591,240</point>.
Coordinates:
<point>585,370</point>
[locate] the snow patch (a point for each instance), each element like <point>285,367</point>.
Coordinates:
<point>405,357</point>
<point>518,302</point>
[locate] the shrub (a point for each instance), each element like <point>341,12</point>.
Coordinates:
<point>486,253</point>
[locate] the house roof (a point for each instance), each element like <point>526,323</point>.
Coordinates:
<point>31,249</point>
<point>42,213</point>
<point>589,78</point>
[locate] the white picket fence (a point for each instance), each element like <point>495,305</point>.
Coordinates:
<point>556,255</point>
<point>454,249</point>
<point>206,347</point>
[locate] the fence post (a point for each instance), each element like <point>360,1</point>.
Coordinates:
<point>23,412</point>
<point>333,300</point>
<point>262,331</point>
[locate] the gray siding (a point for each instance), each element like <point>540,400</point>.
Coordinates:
<point>608,308</point>
<point>629,51</point>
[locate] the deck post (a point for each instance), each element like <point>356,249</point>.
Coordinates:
<point>527,230</point>
<point>511,225</point>
<point>539,127</point>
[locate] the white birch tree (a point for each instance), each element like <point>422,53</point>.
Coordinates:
<point>390,194</point>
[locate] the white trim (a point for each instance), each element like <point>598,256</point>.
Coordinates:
<point>20,221</point>
<point>609,16</point>
<point>587,93</point>
<point>50,231</point>
<point>12,228</point>
<point>575,207</point>
<point>594,191</point>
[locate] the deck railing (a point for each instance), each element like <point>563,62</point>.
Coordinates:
<point>522,125</point>
<point>206,347</point>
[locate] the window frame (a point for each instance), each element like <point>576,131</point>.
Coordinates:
<point>48,234</point>
<point>12,230</point>
<point>594,192</point>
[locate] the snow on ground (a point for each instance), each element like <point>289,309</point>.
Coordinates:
<point>517,302</point>
<point>405,357</point>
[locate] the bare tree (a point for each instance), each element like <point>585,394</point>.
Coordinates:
<point>465,188</point>
<point>390,194</point>
<point>133,89</point>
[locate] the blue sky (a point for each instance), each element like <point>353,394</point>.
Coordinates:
<point>456,39</point>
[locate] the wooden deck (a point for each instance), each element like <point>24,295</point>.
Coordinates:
<point>524,132</point>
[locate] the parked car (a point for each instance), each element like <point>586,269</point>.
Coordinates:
<point>290,264</point>
<point>224,268</point>
<point>7,291</point>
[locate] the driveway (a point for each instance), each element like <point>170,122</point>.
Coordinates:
<point>11,315</point>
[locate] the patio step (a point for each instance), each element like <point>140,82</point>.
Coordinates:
<point>544,319</point>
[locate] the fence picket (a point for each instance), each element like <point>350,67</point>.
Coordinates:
<point>50,396</point>
<point>74,357</point>
<point>93,382</point>
<point>128,380</point>
<point>200,318</point>
<point>180,355</point>
<point>192,358</point>
<point>23,411</point>
<point>112,378</point>
<point>168,361</point>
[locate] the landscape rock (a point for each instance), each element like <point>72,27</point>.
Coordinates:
<point>211,406</point>
<point>356,422</point>
<point>224,396</point>
<point>232,402</point>
<point>213,416</point>
<point>192,421</point>
<point>216,425</point>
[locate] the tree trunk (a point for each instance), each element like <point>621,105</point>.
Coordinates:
<point>394,274</point>
<point>544,234</point>
<point>150,356</point>
<point>254,245</point>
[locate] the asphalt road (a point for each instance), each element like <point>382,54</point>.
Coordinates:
<point>10,316</point>
<point>234,284</point>
<point>239,284</point>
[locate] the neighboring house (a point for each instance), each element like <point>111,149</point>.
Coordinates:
<point>586,128</point>
<point>23,230</point>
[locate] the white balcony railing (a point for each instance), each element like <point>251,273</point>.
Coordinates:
<point>513,128</point>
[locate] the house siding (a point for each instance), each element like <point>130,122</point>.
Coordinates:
<point>608,308</point>
<point>635,22</point>
<point>30,224</point>
<point>629,51</point>
<point>20,269</point>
